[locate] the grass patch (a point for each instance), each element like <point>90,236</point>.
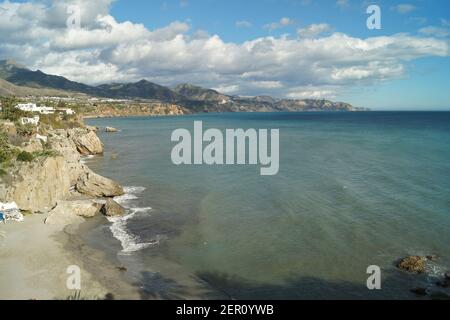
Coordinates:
<point>25,157</point>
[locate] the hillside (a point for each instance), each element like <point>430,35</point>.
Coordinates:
<point>19,80</point>
<point>8,89</point>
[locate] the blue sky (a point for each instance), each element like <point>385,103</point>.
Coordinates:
<point>284,48</point>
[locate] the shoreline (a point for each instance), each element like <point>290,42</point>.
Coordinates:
<point>35,258</point>
<point>37,253</point>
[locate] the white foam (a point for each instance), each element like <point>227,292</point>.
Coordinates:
<point>83,159</point>
<point>118,228</point>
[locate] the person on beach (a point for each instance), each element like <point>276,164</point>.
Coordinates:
<point>2,217</point>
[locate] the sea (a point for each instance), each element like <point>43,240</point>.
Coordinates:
<point>354,190</point>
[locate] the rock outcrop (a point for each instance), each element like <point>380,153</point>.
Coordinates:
<point>413,264</point>
<point>38,185</point>
<point>86,141</point>
<point>94,185</point>
<point>68,212</point>
<point>112,209</point>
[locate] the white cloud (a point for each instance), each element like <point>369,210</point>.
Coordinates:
<point>342,3</point>
<point>311,92</point>
<point>243,24</point>
<point>313,30</point>
<point>435,31</point>
<point>284,22</point>
<point>404,8</point>
<point>105,50</point>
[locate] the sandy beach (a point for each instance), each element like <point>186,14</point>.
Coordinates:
<point>35,257</point>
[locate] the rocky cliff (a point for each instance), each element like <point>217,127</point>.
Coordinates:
<point>39,185</point>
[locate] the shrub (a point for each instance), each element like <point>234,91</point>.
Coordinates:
<point>25,157</point>
<point>6,151</point>
<point>25,130</point>
<point>48,153</point>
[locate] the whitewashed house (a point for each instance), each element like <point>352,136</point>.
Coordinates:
<point>32,107</point>
<point>33,121</point>
<point>67,111</point>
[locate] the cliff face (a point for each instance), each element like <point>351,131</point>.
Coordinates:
<point>37,186</point>
<point>143,109</point>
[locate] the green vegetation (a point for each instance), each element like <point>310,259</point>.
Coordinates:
<point>57,121</point>
<point>6,151</point>
<point>25,130</point>
<point>49,153</point>
<point>9,112</point>
<point>25,157</point>
<point>29,157</point>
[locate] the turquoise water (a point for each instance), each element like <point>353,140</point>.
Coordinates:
<point>353,190</point>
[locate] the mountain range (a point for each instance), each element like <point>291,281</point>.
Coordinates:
<point>18,80</point>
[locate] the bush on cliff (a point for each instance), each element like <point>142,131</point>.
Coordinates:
<point>6,151</point>
<point>48,153</point>
<point>10,112</point>
<point>25,157</point>
<point>25,130</point>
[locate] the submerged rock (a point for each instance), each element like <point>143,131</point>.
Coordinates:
<point>413,264</point>
<point>112,209</point>
<point>420,291</point>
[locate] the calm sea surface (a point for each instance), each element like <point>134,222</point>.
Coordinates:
<point>354,190</point>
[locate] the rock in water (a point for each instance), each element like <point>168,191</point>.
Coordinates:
<point>94,185</point>
<point>420,291</point>
<point>112,209</point>
<point>413,264</point>
<point>111,130</point>
<point>68,212</point>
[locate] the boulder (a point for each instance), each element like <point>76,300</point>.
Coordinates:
<point>111,130</point>
<point>69,212</point>
<point>87,142</point>
<point>413,264</point>
<point>112,209</point>
<point>94,185</point>
<point>420,291</point>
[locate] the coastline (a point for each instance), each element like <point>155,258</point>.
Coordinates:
<point>35,258</point>
<point>37,253</point>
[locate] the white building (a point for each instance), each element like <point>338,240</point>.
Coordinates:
<point>67,111</point>
<point>32,107</point>
<point>33,121</point>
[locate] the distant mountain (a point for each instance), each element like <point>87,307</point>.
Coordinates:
<point>192,98</point>
<point>199,94</point>
<point>21,76</point>
<point>7,89</point>
<point>142,89</point>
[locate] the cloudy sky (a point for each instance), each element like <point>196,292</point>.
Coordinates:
<point>283,48</point>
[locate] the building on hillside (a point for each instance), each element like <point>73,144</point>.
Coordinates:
<point>33,121</point>
<point>67,111</point>
<point>32,107</point>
